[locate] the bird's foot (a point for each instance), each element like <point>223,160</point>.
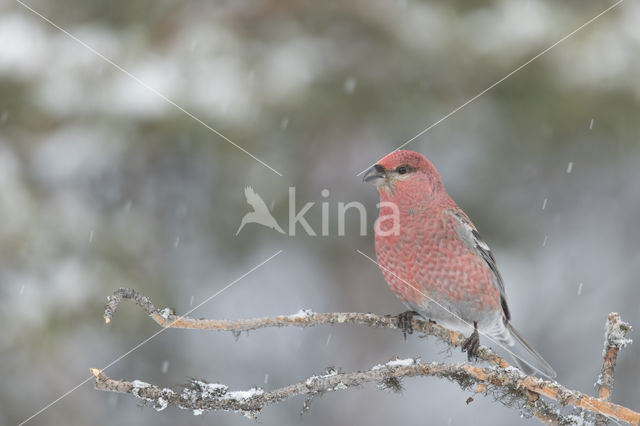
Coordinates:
<point>405,322</point>
<point>472,343</point>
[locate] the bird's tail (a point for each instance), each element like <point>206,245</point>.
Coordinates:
<point>242,223</point>
<point>532,363</point>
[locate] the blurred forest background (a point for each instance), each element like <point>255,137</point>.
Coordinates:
<point>104,184</point>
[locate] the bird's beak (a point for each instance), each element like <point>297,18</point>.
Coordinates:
<point>374,174</point>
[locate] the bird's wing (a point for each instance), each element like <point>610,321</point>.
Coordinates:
<point>255,200</point>
<point>474,242</point>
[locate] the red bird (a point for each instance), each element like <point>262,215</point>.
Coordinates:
<point>435,261</point>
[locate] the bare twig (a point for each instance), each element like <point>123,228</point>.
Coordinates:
<point>614,340</point>
<point>502,380</point>
<point>166,317</point>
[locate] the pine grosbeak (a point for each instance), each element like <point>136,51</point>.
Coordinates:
<point>435,261</point>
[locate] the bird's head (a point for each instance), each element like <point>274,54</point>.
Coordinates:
<point>404,169</point>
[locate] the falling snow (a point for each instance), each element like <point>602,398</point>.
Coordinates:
<point>570,167</point>
<point>152,174</point>
<point>350,85</point>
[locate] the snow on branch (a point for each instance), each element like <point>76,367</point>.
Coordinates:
<point>614,340</point>
<point>506,384</point>
<point>167,318</point>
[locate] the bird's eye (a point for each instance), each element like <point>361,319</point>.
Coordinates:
<point>402,170</point>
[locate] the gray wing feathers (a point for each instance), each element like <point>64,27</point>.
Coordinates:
<point>472,239</point>
<point>533,363</point>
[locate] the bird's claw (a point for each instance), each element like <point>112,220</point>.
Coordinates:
<point>405,322</point>
<point>472,343</point>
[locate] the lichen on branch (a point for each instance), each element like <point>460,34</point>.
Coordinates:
<point>506,384</point>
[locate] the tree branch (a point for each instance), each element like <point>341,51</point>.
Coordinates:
<point>167,318</point>
<point>200,396</point>
<point>614,340</point>
<point>508,384</point>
